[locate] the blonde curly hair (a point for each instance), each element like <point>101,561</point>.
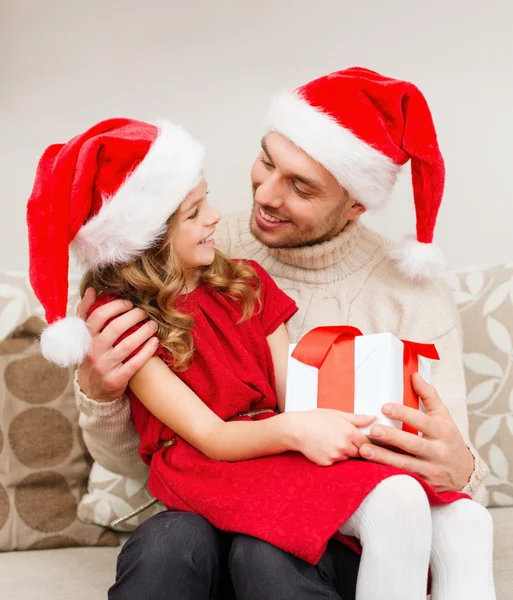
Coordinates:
<point>155,279</point>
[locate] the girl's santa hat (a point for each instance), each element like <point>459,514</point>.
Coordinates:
<point>363,127</point>
<point>108,193</point>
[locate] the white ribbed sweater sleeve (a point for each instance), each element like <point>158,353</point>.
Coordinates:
<point>109,434</point>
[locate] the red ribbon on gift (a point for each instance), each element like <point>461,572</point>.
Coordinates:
<point>331,350</point>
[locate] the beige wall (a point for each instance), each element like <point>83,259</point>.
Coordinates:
<point>213,65</point>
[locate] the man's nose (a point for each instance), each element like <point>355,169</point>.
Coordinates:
<point>268,194</point>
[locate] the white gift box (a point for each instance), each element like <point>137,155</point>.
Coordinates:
<point>378,378</point>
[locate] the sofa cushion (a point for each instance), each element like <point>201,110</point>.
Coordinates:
<point>484,297</point>
<point>87,573</point>
<point>63,574</point>
<point>111,496</point>
<point>18,302</point>
<point>43,467</point>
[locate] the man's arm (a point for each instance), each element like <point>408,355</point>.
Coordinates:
<point>101,381</point>
<point>109,434</point>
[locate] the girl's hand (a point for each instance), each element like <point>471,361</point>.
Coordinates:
<point>326,436</point>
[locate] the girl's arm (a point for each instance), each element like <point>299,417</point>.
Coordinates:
<point>279,342</point>
<point>324,436</point>
<point>168,398</point>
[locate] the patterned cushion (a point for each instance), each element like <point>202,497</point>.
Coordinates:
<point>111,496</point>
<point>43,466</point>
<point>18,302</point>
<point>484,297</point>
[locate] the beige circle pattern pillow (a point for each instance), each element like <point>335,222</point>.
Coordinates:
<point>43,466</point>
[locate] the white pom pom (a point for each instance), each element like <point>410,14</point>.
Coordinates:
<point>418,260</point>
<point>66,342</point>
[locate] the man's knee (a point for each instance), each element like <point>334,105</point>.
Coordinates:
<point>172,538</point>
<point>171,550</point>
<point>261,570</point>
<point>246,550</point>
<point>256,558</point>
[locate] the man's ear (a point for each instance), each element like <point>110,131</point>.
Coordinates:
<point>355,210</point>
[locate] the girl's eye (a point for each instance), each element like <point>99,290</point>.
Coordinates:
<point>267,164</point>
<point>194,214</point>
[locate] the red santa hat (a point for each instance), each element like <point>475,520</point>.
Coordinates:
<point>363,127</point>
<point>108,194</point>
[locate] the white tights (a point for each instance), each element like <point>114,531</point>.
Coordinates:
<point>401,536</point>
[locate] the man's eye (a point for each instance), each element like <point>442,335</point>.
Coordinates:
<point>300,192</point>
<point>266,163</point>
<point>194,214</point>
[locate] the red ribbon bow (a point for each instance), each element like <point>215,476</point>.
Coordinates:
<point>331,351</point>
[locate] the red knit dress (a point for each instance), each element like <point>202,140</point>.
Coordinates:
<point>284,499</point>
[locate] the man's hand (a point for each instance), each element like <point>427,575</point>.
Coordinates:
<point>103,376</point>
<point>441,456</point>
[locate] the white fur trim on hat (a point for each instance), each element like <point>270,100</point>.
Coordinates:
<point>418,260</point>
<point>66,342</point>
<point>366,174</point>
<point>135,216</point>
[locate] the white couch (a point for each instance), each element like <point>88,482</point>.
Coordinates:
<point>87,573</point>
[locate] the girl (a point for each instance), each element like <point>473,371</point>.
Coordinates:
<point>209,405</point>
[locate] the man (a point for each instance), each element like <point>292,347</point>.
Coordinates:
<point>332,150</point>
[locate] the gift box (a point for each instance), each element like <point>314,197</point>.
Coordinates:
<point>338,367</point>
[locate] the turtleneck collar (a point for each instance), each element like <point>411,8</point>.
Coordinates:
<point>348,252</point>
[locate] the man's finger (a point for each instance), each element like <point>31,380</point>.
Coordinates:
<point>404,440</point>
<point>97,320</point>
<point>84,306</point>
<point>413,417</point>
<point>130,344</point>
<point>117,327</point>
<point>385,456</point>
<point>428,395</point>
<point>130,368</point>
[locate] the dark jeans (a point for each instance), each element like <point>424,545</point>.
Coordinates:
<point>176,555</point>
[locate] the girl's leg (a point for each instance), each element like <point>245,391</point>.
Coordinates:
<point>393,525</point>
<point>462,552</point>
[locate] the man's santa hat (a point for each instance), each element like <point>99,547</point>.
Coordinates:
<point>108,193</point>
<point>362,127</point>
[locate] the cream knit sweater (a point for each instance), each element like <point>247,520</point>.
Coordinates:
<point>348,280</point>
